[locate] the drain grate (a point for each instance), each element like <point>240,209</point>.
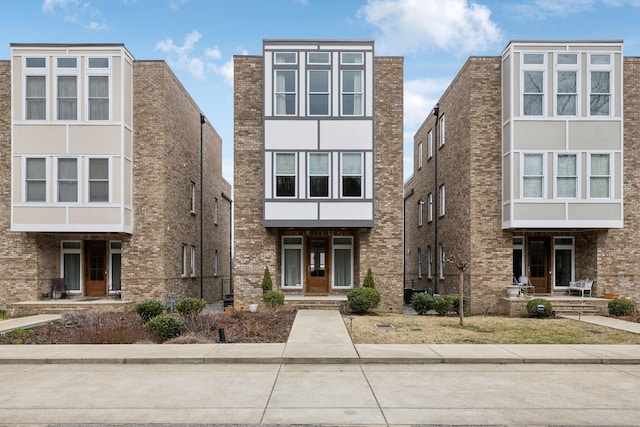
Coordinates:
<point>384,326</point>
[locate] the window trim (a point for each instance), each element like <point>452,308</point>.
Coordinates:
<point>543,177</point>
<point>335,246</point>
<point>429,262</point>
<point>557,176</point>
<point>114,251</point>
<point>58,180</point>
<point>560,68</point>
<point>609,68</point>
<point>74,251</point>
<point>310,62</point>
<point>560,246</point>
<point>25,180</point>
<point>66,72</point>
<point>342,55</point>
<point>328,175</point>
<point>429,207</point>
<point>192,261</point>
<point>299,246</point>
<point>609,176</point>
<point>108,180</point>
<point>36,72</point>
<point>192,197</point>
<point>354,93</point>
<point>419,263</point>
<point>420,212</point>
<point>430,144</point>
<point>419,155</point>
<point>183,261</point>
<point>284,92</point>
<point>535,68</point>
<point>442,261</point>
<point>327,93</point>
<point>361,175</point>
<point>276,174</point>
<point>441,131</point>
<point>441,205</point>
<point>285,52</point>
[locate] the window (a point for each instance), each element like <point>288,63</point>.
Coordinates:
<point>430,207</point>
<point>600,84</point>
<point>323,58</point>
<point>442,200</point>
<point>319,175</point>
<point>420,209</point>
<point>35,180</point>
<point>533,84</point>
<point>115,266</point>
<point>343,262</point>
<point>285,92</point>
<point>98,180</point>
<point>67,180</point>
<point>285,175</point>
<point>600,176</point>
<point>36,98</point>
<point>563,260</point>
<point>429,263</point>
<point>286,58</point>
<point>98,63</point>
<point>192,261</point>
<point>518,257</point>
<point>292,262</point>
<point>442,260</point>
<point>215,262</point>
<point>352,58</point>
<point>429,144</point>
<point>71,253</point>
<point>318,93</point>
<point>567,176</point>
<point>351,175</point>
<point>215,210</point>
<point>567,84</point>
<point>183,261</point>
<point>98,98</point>
<point>67,89</point>
<point>352,93</point>
<point>419,263</point>
<point>420,155</point>
<point>533,176</point>
<point>442,133</point>
<point>192,197</point>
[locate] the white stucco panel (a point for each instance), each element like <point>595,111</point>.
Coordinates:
<point>291,135</point>
<point>290,211</point>
<point>346,134</point>
<point>346,211</point>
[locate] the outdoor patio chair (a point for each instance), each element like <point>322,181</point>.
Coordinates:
<point>525,285</point>
<point>58,288</point>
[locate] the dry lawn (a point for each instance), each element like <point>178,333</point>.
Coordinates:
<point>413,329</point>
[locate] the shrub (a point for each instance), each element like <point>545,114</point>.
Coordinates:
<point>164,326</point>
<point>421,302</point>
<point>149,309</point>
<point>273,298</point>
<point>442,304</point>
<point>455,303</point>
<point>191,306</point>
<point>532,307</point>
<point>267,284</point>
<point>368,280</point>
<point>361,299</point>
<point>621,307</point>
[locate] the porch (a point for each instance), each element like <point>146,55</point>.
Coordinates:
<point>51,306</point>
<point>562,304</point>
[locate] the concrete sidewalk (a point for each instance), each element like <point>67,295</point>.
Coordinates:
<point>321,337</point>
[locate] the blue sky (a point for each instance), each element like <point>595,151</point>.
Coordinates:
<point>198,38</point>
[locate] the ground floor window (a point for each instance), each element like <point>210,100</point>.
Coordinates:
<point>563,260</point>
<point>518,257</point>
<point>343,262</point>
<point>71,254</point>
<point>115,265</point>
<point>292,262</point>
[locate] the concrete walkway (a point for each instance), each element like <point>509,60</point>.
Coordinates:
<point>321,337</point>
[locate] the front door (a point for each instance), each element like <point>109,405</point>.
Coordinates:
<point>96,268</point>
<point>317,267</point>
<point>538,265</point>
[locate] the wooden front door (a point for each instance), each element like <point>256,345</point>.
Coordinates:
<point>538,265</point>
<point>95,268</point>
<point>317,266</point>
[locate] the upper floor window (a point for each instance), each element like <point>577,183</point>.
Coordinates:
<point>36,98</point>
<point>192,197</point>
<point>215,210</point>
<point>429,144</point>
<point>319,175</point>
<point>319,58</point>
<point>429,207</point>
<point>351,176</point>
<point>442,260</point>
<point>286,58</point>
<point>285,175</point>
<point>98,180</point>
<point>533,84</point>
<point>429,263</point>
<point>567,84</point>
<point>567,176</point>
<point>600,176</point>
<point>533,176</point>
<point>98,98</point>
<point>420,212</point>
<point>318,92</point>
<point>442,130</point>
<point>419,263</point>
<point>285,92</point>
<point>420,155</point>
<point>36,180</point>
<point>67,88</point>
<point>192,261</point>
<point>600,84</point>
<point>183,260</point>
<point>442,200</point>
<point>98,63</point>
<point>67,180</point>
<point>352,58</point>
<point>352,93</point>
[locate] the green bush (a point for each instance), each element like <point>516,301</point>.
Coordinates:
<point>273,298</point>
<point>421,302</point>
<point>368,280</point>
<point>455,303</point>
<point>267,283</point>
<point>191,306</point>
<point>442,304</point>
<point>164,326</point>
<point>532,307</point>
<point>361,299</point>
<point>621,307</point>
<point>149,309</point>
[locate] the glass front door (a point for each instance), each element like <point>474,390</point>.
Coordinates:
<point>317,265</point>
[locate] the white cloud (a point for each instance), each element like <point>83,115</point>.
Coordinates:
<point>213,53</point>
<point>49,6</point>
<point>85,14</point>
<point>420,96</point>
<point>414,25</point>
<point>175,4</point>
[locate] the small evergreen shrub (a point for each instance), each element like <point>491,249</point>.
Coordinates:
<point>368,280</point>
<point>273,298</point>
<point>421,302</point>
<point>455,303</point>
<point>164,326</point>
<point>149,309</point>
<point>621,307</point>
<point>361,299</point>
<point>267,283</point>
<point>532,308</point>
<point>442,304</point>
<point>191,306</point>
